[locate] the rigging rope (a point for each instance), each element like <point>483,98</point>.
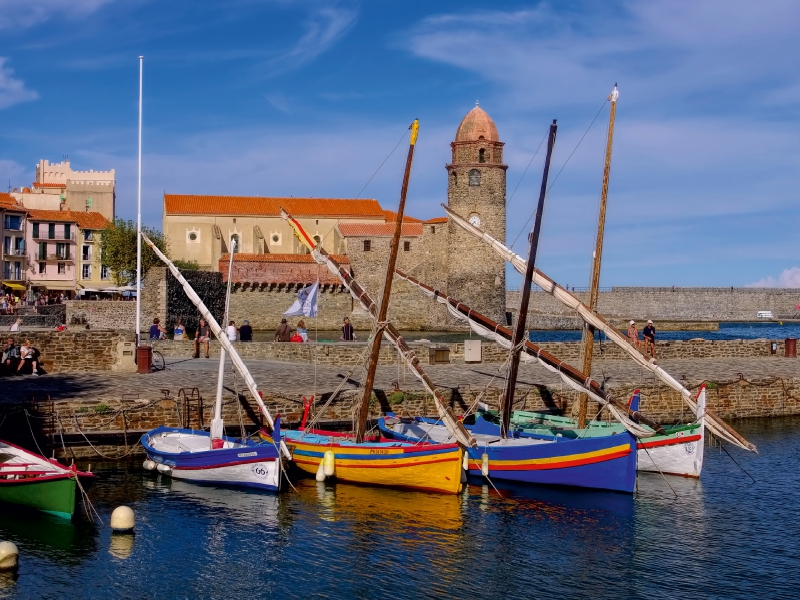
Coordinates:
<point>553,182</point>
<point>384,162</point>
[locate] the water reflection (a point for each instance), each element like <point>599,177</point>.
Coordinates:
<point>121,545</point>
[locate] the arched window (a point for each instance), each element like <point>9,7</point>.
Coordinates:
<point>235,244</point>
<point>474,177</point>
<point>318,240</point>
<point>482,155</point>
<point>455,177</point>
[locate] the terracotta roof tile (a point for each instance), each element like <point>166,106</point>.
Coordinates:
<point>242,257</point>
<point>266,269</point>
<point>8,201</point>
<point>36,184</point>
<point>436,220</point>
<point>85,220</point>
<point>183,204</point>
<point>391,217</point>
<point>378,229</point>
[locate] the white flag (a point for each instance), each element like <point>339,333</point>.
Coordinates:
<point>306,303</point>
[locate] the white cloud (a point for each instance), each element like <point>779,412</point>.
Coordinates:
<point>12,171</point>
<point>26,13</point>
<point>323,28</point>
<point>12,90</point>
<point>789,278</point>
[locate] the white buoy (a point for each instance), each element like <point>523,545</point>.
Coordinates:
<point>149,464</point>
<point>485,464</point>
<point>162,468</point>
<point>9,556</point>
<point>465,462</point>
<point>320,472</point>
<point>328,463</point>
<point>123,519</point>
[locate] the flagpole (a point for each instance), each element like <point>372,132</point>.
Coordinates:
<point>139,217</point>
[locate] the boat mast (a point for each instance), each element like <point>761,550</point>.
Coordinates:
<point>361,426</point>
<point>587,341</point>
<point>507,401</point>
<point>217,427</point>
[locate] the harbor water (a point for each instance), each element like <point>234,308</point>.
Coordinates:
<point>727,331</point>
<point>723,536</point>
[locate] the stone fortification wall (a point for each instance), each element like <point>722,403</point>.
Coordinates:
<point>128,418</point>
<point>82,351</point>
<point>682,304</point>
<point>263,307</point>
<point>350,353</point>
<point>101,314</point>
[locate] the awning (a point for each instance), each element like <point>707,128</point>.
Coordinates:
<point>54,285</point>
<point>14,286</point>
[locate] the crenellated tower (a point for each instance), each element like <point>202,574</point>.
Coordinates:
<point>477,190</point>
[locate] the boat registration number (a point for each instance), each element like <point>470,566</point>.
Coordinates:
<point>378,451</point>
<point>246,454</point>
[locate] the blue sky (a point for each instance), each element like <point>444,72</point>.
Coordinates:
<point>306,98</point>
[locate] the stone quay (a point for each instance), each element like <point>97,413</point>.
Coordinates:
<point>91,401</point>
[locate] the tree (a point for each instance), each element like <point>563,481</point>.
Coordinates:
<point>118,250</point>
<point>186,265</point>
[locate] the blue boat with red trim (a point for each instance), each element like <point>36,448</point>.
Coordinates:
<point>603,463</point>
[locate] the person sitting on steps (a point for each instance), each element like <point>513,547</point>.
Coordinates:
<point>202,336</point>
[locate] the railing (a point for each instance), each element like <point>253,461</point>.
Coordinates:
<point>16,252</point>
<point>61,257</point>
<point>12,275</point>
<point>44,235</point>
<point>86,257</point>
<point>10,227</point>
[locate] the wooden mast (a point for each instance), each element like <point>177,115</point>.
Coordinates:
<point>361,425</point>
<point>587,342</point>
<point>507,401</point>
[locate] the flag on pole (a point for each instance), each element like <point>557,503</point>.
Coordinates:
<point>306,303</point>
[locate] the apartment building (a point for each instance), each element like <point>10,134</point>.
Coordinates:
<point>13,250</point>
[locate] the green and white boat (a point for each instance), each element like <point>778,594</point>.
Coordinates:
<point>678,451</point>
<point>30,480</point>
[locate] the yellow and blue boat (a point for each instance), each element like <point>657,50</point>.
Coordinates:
<point>424,466</point>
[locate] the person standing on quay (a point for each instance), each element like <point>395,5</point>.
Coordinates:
<point>649,335</point>
<point>633,334</point>
<point>283,333</point>
<point>202,336</point>
<point>348,333</point>
<point>246,332</point>
<point>302,331</point>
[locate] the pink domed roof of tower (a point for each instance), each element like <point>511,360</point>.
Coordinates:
<point>476,125</point>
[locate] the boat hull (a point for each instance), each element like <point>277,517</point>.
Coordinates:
<point>238,464</point>
<point>424,467</point>
<point>55,495</point>
<point>680,452</point>
<point>607,463</point>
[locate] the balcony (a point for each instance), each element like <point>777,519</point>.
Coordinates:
<point>44,235</point>
<point>17,252</point>
<point>52,257</point>
<point>13,276</point>
<point>12,226</point>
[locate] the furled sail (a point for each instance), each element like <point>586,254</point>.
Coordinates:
<point>714,424</point>
<point>578,381</point>
<point>219,334</point>
<point>389,332</point>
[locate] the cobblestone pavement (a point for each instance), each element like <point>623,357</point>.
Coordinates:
<point>293,379</point>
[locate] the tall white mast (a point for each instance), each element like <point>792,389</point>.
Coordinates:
<point>139,217</point>
<point>217,426</point>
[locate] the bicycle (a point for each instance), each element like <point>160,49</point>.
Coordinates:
<point>157,362</point>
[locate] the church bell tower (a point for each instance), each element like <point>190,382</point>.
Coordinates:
<point>476,190</point>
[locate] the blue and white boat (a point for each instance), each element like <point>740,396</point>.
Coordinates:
<point>187,454</point>
<point>212,457</point>
<point>604,463</point>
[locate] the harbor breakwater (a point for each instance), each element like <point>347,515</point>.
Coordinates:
<point>690,304</point>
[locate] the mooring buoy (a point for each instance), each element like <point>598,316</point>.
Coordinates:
<point>9,556</point>
<point>123,519</point>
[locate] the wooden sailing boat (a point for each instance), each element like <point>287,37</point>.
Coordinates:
<point>607,463</point>
<point>425,466</point>
<point>674,450</point>
<point>711,421</point>
<point>212,457</point>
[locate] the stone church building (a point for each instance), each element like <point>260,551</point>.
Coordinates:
<point>271,265</point>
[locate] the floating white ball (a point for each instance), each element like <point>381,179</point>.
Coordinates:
<point>163,468</point>
<point>9,556</point>
<point>149,464</point>
<point>123,519</point>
